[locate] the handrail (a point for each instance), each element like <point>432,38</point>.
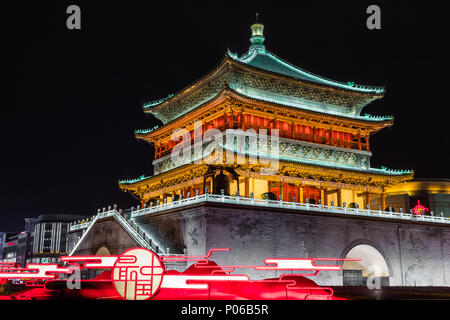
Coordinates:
<point>134,233</point>
<point>122,221</point>
<point>84,235</point>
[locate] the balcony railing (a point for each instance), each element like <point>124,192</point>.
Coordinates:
<point>160,207</point>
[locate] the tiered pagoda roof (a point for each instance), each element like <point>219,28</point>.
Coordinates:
<point>278,106</point>
<point>260,78</point>
<point>261,75</point>
<point>266,60</point>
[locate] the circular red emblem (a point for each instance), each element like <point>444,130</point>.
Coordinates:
<point>137,274</point>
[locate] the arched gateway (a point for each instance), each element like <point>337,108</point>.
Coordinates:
<point>102,251</point>
<point>371,269</point>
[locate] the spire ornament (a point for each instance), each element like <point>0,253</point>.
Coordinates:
<point>257,38</point>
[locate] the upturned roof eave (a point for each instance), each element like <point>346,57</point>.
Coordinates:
<point>356,88</point>
<point>228,89</point>
<point>188,89</point>
<point>228,60</point>
<point>406,175</point>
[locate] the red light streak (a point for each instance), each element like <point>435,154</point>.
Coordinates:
<point>148,279</point>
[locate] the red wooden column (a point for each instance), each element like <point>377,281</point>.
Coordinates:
<point>339,197</point>
<point>232,119</point>
<point>292,130</point>
<point>247,187</point>
<point>157,146</point>
<point>213,177</point>
<point>368,199</point>
<point>322,195</point>
<point>383,201</point>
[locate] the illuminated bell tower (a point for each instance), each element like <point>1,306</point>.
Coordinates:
<point>324,150</point>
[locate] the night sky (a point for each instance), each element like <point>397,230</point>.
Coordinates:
<point>74,96</point>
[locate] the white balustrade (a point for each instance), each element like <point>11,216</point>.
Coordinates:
<point>237,199</point>
<point>143,240</point>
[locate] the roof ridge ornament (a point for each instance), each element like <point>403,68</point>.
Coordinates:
<point>257,38</point>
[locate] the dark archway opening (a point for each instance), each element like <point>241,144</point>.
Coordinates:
<point>221,182</point>
<point>269,195</point>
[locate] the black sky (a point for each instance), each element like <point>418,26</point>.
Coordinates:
<point>76,95</point>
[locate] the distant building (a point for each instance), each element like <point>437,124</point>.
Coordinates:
<point>432,193</point>
<point>42,241</point>
<point>8,246</point>
<point>17,247</point>
<point>49,241</point>
<point>2,240</point>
